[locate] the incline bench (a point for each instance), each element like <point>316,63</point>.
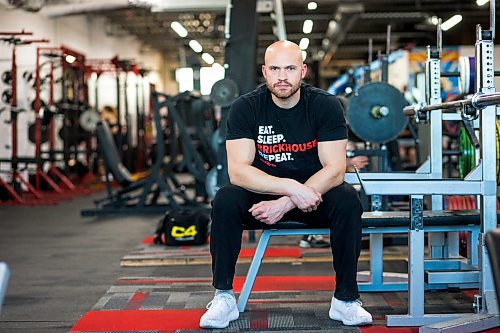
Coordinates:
<point>375,224</point>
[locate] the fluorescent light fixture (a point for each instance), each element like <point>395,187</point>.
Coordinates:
<point>179,29</point>
<point>207,58</point>
<point>451,22</point>
<point>307,27</point>
<point>312,5</point>
<point>70,59</point>
<point>304,43</point>
<point>304,55</point>
<point>195,46</point>
<point>482,2</point>
<point>332,28</point>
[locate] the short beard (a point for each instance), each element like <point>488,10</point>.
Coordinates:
<point>283,95</point>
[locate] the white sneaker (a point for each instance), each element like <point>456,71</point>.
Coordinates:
<point>349,313</point>
<point>314,241</point>
<point>221,311</point>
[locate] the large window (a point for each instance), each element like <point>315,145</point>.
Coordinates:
<point>208,76</point>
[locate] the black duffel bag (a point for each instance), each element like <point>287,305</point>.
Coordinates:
<point>184,226</point>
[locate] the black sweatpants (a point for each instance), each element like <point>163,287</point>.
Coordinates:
<point>340,210</point>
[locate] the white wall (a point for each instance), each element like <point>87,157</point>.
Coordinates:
<point>84,34</point>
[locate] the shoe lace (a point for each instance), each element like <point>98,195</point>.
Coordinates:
<point>356,302</point>
<point>221,298</point>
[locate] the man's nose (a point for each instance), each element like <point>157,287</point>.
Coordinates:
<point>282,74</point>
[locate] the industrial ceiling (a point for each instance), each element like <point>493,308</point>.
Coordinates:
<point>339,36</point>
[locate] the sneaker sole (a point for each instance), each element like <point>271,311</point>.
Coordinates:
<point>232,316</point>
<point>335,315</point>
<point>304,244</point>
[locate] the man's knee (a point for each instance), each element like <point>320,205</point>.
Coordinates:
<point>228,194</point>
<point>228,199</point>
<point>345,198</point>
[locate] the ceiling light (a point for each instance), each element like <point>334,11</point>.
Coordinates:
<point>307,27</point>
<point>179,29</point>
<point>304,43</point>
<point>70,59</point>
<point>208,58</point>
<point>195,46</point>
<point>451,22</point>
<point>481,2</point>
<point>312,5</point>
<point>304,55</point>
<point>434,20</point>
<point>332,28</point>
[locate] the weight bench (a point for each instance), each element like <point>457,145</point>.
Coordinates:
<point>376,224</point>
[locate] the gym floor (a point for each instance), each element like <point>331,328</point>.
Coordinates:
<point>66,275</point>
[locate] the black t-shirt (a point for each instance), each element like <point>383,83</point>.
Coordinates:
<point>286,140</point>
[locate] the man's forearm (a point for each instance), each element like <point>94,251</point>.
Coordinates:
<point>325,179</point>
<point>255,180</point>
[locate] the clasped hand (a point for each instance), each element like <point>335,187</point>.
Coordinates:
<point>270,211</point>
<point>306,199</point>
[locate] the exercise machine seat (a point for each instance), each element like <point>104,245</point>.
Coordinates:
<point>111,156</point>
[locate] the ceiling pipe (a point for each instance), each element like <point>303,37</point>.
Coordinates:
<point>83,7</point>
<point>343,20</point>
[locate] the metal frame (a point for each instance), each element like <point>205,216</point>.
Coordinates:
<point>481,181</point>
<point>376,282</point>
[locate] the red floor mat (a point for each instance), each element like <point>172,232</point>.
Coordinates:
<point>139,320</point>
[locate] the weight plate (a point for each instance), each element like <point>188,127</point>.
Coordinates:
<point>466,159</point>
<point>375,112</point>
<point>498,150</point>
<point>466,80</point>
<point>211,183</point>
<point>214,141</point>
<point>44,133</point>
<point>89,119</point>
<point>7,77</point>
<point>224,92</point>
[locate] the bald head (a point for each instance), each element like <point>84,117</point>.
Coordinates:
<point>283,49</point>
<point>283,70</point>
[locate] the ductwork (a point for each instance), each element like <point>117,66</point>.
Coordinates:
<point>83,7</point>
<point>343,20</point>
<point>28,5</point>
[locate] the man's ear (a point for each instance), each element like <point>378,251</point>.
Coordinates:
<point>304,70</point>
<point>264,71</point>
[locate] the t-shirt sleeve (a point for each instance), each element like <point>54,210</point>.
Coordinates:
<point>240,121</point>
<point>331,121</point>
